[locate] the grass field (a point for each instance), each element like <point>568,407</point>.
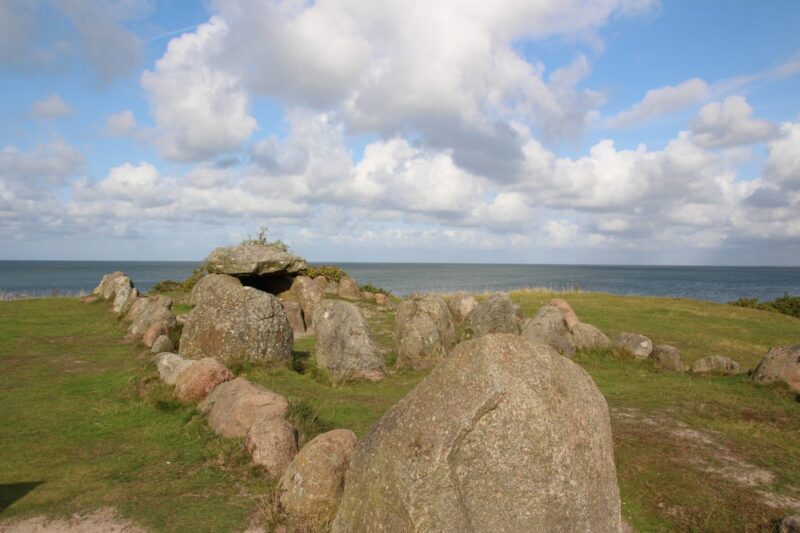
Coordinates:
<point>84,425</point>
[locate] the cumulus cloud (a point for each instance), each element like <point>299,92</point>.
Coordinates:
<point>122,124</point>
<point>663,101</point>
<point>200,109</point>
<point>783,161</point>
<point>51,107</point>
<point>50,164</point>
<point>729,123</point>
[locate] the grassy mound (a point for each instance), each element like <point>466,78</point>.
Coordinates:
<point>85,425</point>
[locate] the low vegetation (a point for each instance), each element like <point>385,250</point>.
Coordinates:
<point>368,287</point>
<point>86,424</point>
<point>332,272</point>
<point>262,238</point>
<point>787,305</point>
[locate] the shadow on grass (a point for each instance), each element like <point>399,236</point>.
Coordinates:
<point>11,492</point>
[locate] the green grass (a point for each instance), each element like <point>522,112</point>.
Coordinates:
<point>84,423</point>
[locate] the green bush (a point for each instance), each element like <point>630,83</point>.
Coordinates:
<point>165,286</point>
<point>787,305</point>
<point>372,288</point>
<point>262,239</point>
<point>331,272</point>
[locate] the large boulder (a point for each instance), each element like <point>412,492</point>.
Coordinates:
<point>322,282</point>
<point>254,260</point>
<point>504,435</point>
<point>460,306</point>
<point>156,330</point>
<point>107,282</point>
<point>170,366</point>
<point>272,443</point>
<point>781,364</point>
<point>570,318</point>
<point>212,286</point>
<point>634,344</point>
<point>345,348</point>
<point>548,326</point>
<point>348,289</point>
<point>241,325</point>
<point>294,314</point>
<point>148,311</point>
<point>716,363</point>
<point>234,406</point>
<point>311,487</point>
<point>667,358</point>
<point>308,294</point>
<point>495,314</point>
<point>587,337</point>
<point>199,379</point>
<point>124,299</point>
<point>162,344</point>
<point>424,333</point>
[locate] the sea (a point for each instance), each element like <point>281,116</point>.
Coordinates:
<point>714,283</point>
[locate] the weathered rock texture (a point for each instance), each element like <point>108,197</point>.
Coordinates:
<point>781,364</point>
<point>548,326</point>
<point>254,260</point>
<point>170,366</point>
<point>504,435</point>
<point>308,294</point>
<point>667,358</point>
<point>381,299</point>
<point>496,314</point>
<point>570,318</point>
<point>148,311</point>
<point>294,314</point>
<point>586,336</point>
<point>162,344</point>
<point>424,333</point>
<point>345,348</point>
<point>790,524</point>
<point>199,379</point>
<point>637,345</point>
<point>460,306</point>
<point>241,325</point>
<point>272,442</point>
<point>716,363</point>
<point>234,406</point>
<point>124,299</point>
<point>311,487</point>
<point>212,286</point>
<point>108,285</point>
<point>348,289</point>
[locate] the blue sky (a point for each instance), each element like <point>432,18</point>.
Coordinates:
<point>614,131</point>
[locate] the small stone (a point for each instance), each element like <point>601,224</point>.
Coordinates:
<point>716,363</point>
<point>170,365</point>
<point>197,381</point>
<point>272,442</point>
<point>637,345</point>
<point>667,358</point>
<point>348,289</point>
<point>162,344</point>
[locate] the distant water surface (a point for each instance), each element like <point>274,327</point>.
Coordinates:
<point>719,284</point>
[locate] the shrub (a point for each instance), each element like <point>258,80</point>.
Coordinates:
<point>331,272</point>
<point>262,239</point>
<point>372,288</point>
<point>194,277</point>
<point>787,305</point>
<point>304,416</point>
<point>167,285</point>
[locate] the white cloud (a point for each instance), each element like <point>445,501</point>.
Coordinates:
<point>729,123</point>
<point>783,161</point>
<point>122,124</point>
<point>663,101</point>
<point>52,164</point>
<point>50,108</point>
<point>200,110</point>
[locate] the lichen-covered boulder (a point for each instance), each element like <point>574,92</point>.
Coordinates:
<point>548,326</point>
<point>162,344</point>
<point>424,333</point>
<point>107,283</point>
<point>124,299</point>
<point>308,294</point>
<point>716,363</point>
<point>234,406</point>
<point>170,365</point>
<point>254,260</point>
<point>212,286</point>
<point>199,379</point>
<point>348,289</point>
<point>148,311</point>
<point>504,435</point>
<point>311,487</point>
<point>587,337</point>
<point>781,364</point>
<point>636,345</point>
<point>345,348</point>
<point>460,306</point>
<point>241,325</point>
<point>496,314</point>
<point>272,443</point>
<point>667,358</point>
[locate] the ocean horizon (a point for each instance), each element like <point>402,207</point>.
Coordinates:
<point>713,283</point>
